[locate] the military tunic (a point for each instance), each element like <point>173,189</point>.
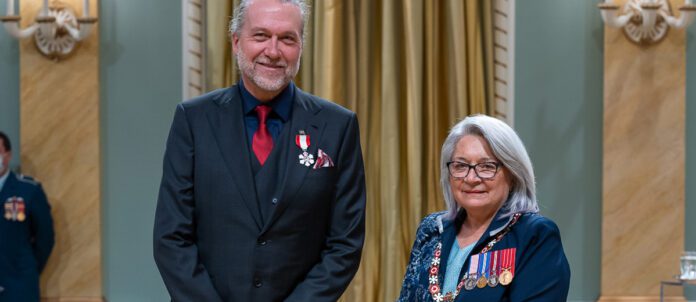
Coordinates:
<point>26,238</point>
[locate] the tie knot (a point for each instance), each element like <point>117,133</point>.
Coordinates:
<point>262,112</point>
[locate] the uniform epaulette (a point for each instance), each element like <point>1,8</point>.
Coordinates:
<point>27,179</point>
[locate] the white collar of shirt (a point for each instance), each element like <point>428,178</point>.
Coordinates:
<point>3,179</point>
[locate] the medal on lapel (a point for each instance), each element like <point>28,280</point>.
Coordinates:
<point>470,282</point>
<point>15,209</point>
<point>508,266</point>
<point>302,141</point>
<point>20,210</point>
<point>9,209</point>
<point>482,271</point>
<point>493,279</point>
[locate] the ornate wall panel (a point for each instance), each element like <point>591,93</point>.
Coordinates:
<point>59,130</point>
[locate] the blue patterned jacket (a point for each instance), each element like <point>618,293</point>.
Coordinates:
<point>541,268</point>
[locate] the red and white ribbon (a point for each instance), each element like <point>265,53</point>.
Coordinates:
<point>302,141</point>
<point>473,265</point>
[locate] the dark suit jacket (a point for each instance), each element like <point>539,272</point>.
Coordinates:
<point>25,244</point>
<point>541,269</point>
<point>222,235</point>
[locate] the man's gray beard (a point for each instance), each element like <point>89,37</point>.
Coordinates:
<point>246,67</point>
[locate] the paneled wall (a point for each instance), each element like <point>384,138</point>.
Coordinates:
<point>59,136</point>
<point>690,182</point>
<point>643,179</point>
<point>9,90</point>
<point>558,114</point>
<point>141,84</point>
<point>559,97</point>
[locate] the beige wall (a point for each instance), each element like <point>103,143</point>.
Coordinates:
<point>59,130</point>
<point>643,165</point>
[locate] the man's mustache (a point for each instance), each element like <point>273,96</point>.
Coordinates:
<point>267,61</point>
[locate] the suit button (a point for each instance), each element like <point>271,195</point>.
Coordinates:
<point>262,242</point>
<point>274,200</point>
<point>257,282</point>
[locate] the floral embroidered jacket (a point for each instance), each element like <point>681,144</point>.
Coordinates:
<point>541,270</point>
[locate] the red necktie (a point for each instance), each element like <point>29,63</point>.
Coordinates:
<point>262,143</point>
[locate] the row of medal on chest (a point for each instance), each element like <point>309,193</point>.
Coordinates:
<point>485,269</point>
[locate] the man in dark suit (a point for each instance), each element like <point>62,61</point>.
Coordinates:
<point>263,188</point>
<point>26,231</point>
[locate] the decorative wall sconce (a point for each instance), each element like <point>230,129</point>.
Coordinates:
<point>56,29</point>
<point>646,21</point>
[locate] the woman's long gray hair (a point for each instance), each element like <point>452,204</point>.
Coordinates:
<point>507,148</point>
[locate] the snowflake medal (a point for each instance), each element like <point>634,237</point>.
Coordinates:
<point>302,141</point>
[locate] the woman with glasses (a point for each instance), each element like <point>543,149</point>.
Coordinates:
<point>490,244</point>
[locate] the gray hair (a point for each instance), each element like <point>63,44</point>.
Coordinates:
<point>507,148</point>
<point>240,13</point>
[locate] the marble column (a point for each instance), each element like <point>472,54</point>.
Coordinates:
<point>643,168</point>
<point>59,130</point>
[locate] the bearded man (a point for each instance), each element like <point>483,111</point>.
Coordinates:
<point>263,188</point>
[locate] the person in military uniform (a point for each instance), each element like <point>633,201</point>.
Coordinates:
<point>26,231</point>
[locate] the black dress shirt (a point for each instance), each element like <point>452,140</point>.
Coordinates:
<point>282,109</point>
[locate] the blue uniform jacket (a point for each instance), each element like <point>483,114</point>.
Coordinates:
<point>541,268</point>
<point>25,242</point>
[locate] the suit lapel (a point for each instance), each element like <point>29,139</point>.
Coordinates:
<point>304,117</point>
<point>227,124</point>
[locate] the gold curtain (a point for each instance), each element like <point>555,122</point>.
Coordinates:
<point>221,68</point>
<point>410,69</point>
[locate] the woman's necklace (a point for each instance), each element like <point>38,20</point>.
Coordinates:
<point>433,280</point>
